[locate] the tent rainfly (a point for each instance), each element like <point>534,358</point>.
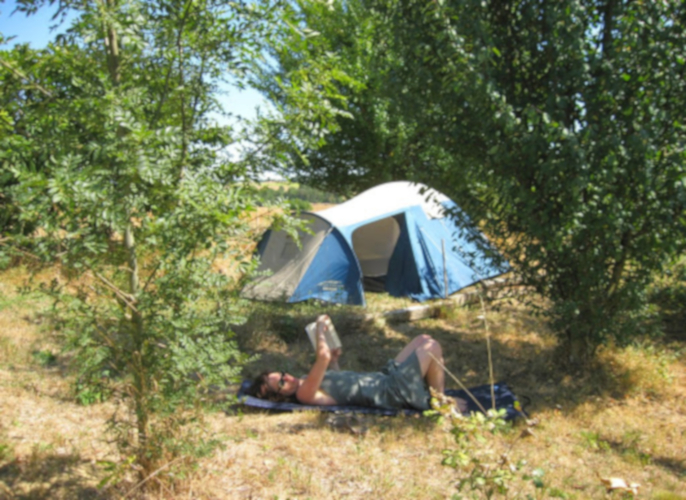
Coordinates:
<point>394,237</point>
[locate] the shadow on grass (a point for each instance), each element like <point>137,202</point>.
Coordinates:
<point>674,326</point>
<point>276,332</point>
<point>632,453</point>
<point>668,296</point>
<point>676,467</point>
<point>354,424</point>
<point>48,476</point>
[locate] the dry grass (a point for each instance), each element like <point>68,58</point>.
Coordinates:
<point>300,456</point>
<point>626,417</point>
<point>48,444</point>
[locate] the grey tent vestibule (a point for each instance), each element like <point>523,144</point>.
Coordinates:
<point>394,237</point>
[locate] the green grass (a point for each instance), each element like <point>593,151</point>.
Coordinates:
<point>44,358</point>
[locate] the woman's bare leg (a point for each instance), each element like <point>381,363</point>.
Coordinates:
<point>412,347</point>
<point>428,351</point>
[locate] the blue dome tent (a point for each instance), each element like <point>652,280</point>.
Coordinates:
<point>393,237</point>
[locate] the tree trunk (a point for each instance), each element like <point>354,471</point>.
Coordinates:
<point>577,349</point>
<point>112,47</point>
<point>140,396</point>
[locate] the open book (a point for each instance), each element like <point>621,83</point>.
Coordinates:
<point>330,335</point>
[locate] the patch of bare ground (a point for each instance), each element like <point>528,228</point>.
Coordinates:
<point>625,417</point>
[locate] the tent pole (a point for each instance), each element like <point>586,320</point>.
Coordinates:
<point>445,270</point>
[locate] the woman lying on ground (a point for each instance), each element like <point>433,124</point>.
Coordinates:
<point>402,383</point>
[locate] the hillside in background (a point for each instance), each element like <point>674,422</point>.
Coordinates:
<point>299,196</point>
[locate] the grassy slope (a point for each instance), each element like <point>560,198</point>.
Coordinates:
<point>627,418</point>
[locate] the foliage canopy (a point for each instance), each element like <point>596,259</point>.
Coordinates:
<point>556,125</point>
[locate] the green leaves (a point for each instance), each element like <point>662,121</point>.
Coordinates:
<point>550,142</point>
<point>113,170</point>
<point>550,123</point>
<point>356,140</point>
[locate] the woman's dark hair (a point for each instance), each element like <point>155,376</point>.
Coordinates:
<point>255,389</point>
<point>260,382</point>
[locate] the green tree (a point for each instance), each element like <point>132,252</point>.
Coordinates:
<point>580,168</point>
<point>382,137</point>
<point>341,36</point>
<point>556,125</point>
<point>110,148</point>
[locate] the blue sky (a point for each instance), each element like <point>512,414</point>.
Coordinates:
<point>36,31</point>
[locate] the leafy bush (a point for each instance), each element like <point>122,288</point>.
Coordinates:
<point>487,468</point>
<point>134,209</point>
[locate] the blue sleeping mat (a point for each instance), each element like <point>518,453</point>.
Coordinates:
<point>504,398</point>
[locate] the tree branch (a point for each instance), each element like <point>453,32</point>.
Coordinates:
<point>165,93</point>
<point>152,275</point>
<point>23,77</point>
<point>125,297</point>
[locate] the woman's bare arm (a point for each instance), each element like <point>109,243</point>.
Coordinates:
<point>335,355</point>
<point>309,391</point>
